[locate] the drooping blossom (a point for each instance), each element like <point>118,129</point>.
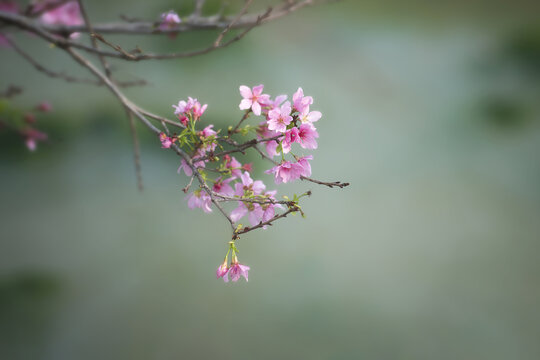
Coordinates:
<point>169,21</point>
<point>68,14</point>
<point>285,172</point>
<point>301,102</point>
<point>253,99</point>
<point>307,135</point>
<point>185,109</point>
<point>200,199</point>
<point>236,271</point>
<point>166,142</point>
<point>264,133</point>
<point>32,136</point>
<point>222,269</point>
<point>278,119</point>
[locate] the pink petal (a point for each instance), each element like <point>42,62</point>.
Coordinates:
<point>238,213</point>
<point>257,90</point>
<point>245,104</point>
<point>245,92</point>
<point>256,107</point>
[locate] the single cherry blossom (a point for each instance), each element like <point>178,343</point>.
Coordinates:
<point>222,269</point>
<point>236,271</point>
<point>68,14</point>
<point>166,142</point>
<point>301,102</point>
<point>169,21</point>
<point>303,165</point>
<point>285,172</point>
<point>306,136</point>
<point>278,119</point>
<point>253,99</point>
<point>221,186</point>
<point>200,199</point>
<point>291,136</point>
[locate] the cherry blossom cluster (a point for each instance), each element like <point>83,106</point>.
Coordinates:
<point>23,122</point>
<point>284,124</point>
<point>51,12</point>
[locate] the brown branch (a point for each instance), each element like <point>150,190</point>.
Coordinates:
<point>68,78</point>
<point>269,222</point>
<point>194,23</point>
<point>338,184</point>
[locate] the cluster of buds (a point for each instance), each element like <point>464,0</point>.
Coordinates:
<point>284,124</point>
<point>23,123</point>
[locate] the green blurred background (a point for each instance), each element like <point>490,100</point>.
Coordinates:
<point>430,110</point>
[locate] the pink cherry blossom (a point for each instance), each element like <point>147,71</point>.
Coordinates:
<point>236,271</point>
<point>253,99</point>
<point>221,186</point>
<point>285,172</point>
<point>307,135</point>
<point>68,14</point>
<point>301,102</point>
<point>187,169</point>
<point>234,165</point>
<point>169,21</point>
<point>269,208</point>
<point>247,187</point>
<point>200,199</point>
<point>166,142</point>
<point>303,165</point>
<point>206,133</point>
<point>291,136</point>
<point>222,269</point>
<point>278,119</point>
<point>192,107</point>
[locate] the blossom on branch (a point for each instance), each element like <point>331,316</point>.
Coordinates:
<point>169,21</point>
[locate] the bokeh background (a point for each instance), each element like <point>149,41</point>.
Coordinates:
<point>430,110</point>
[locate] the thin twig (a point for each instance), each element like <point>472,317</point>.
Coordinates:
<point>136,151</point>
<point>95,45</point>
